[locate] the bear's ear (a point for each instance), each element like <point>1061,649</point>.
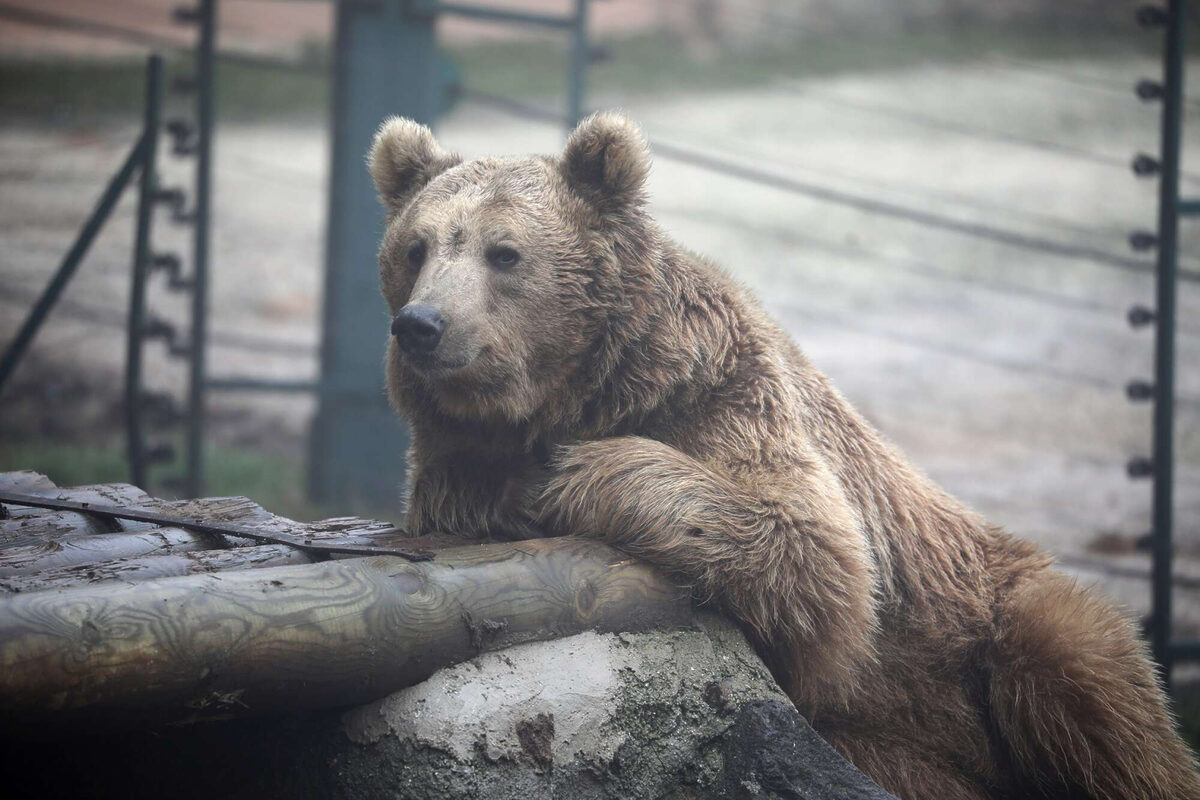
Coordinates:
<point>403,158</point>
<point>607,160</point>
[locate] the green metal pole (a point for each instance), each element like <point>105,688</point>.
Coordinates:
<point>578,65</point>
<point>384,63</point>
<point>71,262</point>
<point>1164,339</point>
<point>135,437</point>
<point>194,485</point>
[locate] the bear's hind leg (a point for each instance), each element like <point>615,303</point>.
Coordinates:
<point>1076,699</point>
<point>897,764</point>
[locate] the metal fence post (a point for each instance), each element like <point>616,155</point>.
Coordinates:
<point>385,65</point>
<point>578,66</point>
<point>148,185</point>
<point>1164,335</point>
<point>205,50</point>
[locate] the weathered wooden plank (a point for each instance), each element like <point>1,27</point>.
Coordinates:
<point>102,553</point>
<point>27,528</point>
<point>132,570</point>
<point>22,524</point>
<point>151,567</point>
<point>72,551</point>
<point>317,635</point>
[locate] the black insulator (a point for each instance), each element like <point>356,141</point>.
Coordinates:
<point>1140,316</point>
<point>156,328</point>
<point>160,453</point>
<point>180,127</point>
<point>161,408</point>
<point>1139,467</point>
<point>1149,90</point>
<point>1144,165</point>
<point>183,217</point>
<point>1138,390</point>
<point>171,196</point>
<point>1151,16</point>
<point>185,15</point>
<point>169,261</point>
<point>1142,240</point>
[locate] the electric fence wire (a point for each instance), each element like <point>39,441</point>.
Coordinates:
<point>106,317</point>
<point>747,173</point>
<point>731,169</point>
<point>915,267</point>
<point>930,219</point>
<point>968,130</point>
<point>779,21</point>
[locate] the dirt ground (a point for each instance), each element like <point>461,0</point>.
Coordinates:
<point>998,369</point>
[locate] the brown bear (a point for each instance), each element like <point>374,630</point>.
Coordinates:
<point>567,368</point>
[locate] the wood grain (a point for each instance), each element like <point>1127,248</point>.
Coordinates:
<point>309,636</point>
<point>21,524</point>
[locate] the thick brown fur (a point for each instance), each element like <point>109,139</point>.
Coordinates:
<point>612,384</point>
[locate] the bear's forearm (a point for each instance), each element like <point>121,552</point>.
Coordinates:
<point>795,577</point>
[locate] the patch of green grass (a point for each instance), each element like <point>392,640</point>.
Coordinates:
<point>643,64</point>
<point>114,87</point>
<point>66,465</point>
<point>277,483</point>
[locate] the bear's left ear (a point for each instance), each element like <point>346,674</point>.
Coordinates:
<point>607,160</point>
<point>403,158</point>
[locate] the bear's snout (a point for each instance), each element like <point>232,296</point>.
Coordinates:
<point>418,329</point>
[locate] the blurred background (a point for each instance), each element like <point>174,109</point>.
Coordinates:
<point>934,196</point>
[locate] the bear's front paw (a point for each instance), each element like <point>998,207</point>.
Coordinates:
<point>597,489</point>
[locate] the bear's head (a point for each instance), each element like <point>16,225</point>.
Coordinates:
<point>509,280</point>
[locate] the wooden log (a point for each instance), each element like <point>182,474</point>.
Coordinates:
<point>22,525</point>
<point>26,481</point>
<point>79,549</point>
<point>311,636</point>
<point>74,551</point>
<point>134,570</point>
<point>75,560</point>
<point>151,567</point>
<point>52,528</point>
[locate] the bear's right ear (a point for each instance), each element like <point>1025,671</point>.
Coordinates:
<point>607,160</point>
<point>403,158</point>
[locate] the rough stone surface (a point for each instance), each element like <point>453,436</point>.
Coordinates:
<point>675,714</point>
<point>667,715</point>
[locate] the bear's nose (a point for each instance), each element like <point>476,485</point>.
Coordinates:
<point>418,329</point>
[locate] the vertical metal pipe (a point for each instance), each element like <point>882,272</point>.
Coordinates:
<point>578,65</point>
<point>1164,339</point>
<point>135,440</point>
<point>204,125</point>
<point>70,263</point>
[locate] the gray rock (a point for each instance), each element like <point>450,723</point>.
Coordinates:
<point>683,714</point>
<point>674,714</point>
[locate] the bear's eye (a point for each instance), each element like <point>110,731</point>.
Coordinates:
<point>502,257</point>
<point>416,254</point>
